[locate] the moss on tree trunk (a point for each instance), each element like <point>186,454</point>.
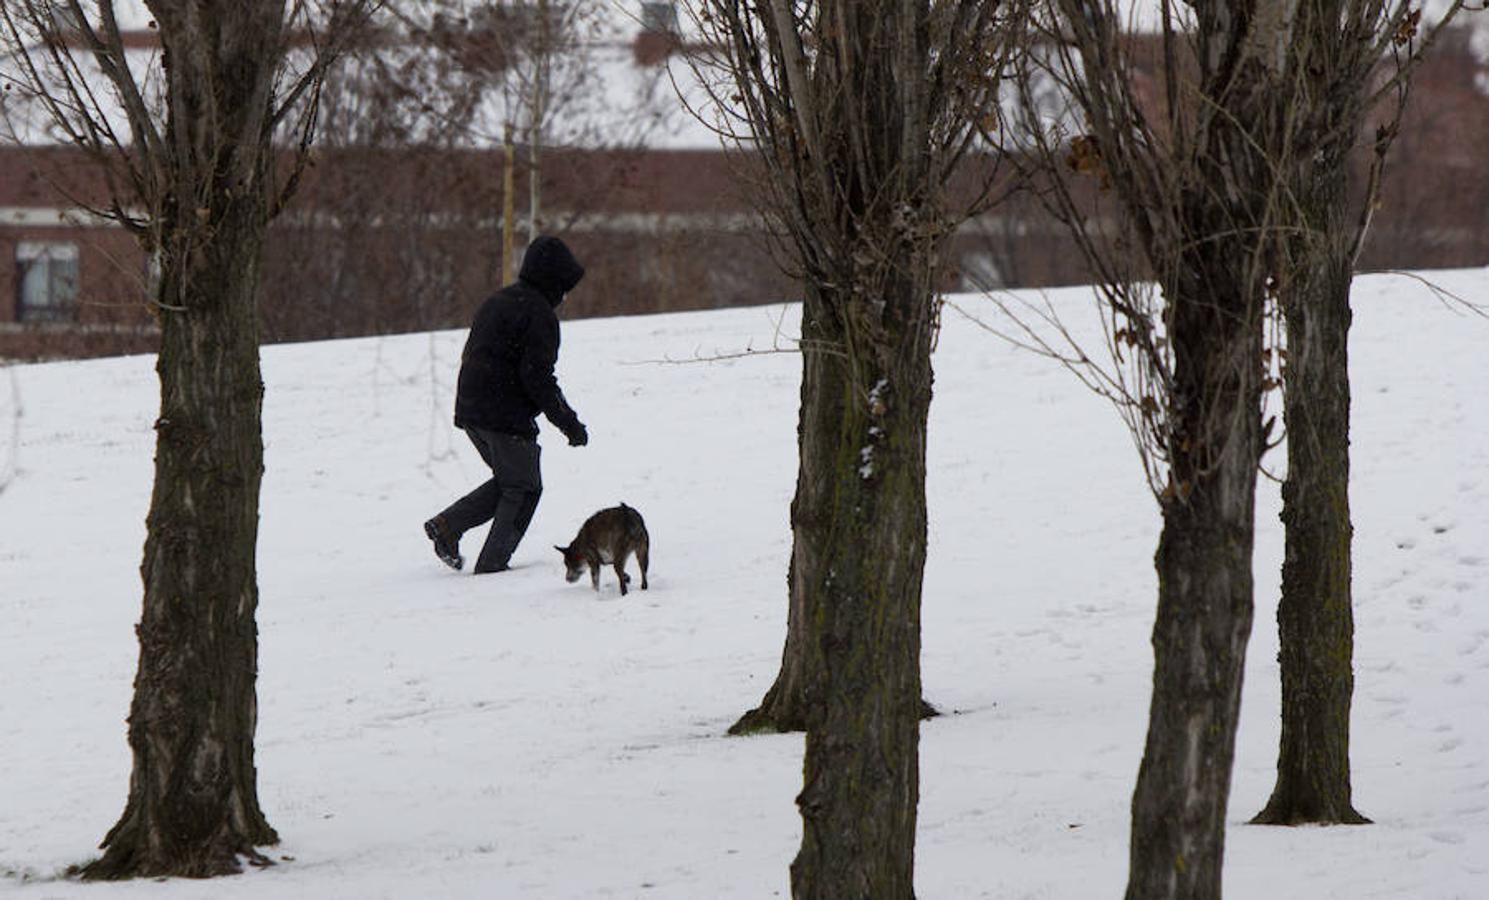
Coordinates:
<point>866,534</point>
<point>1315,617</point>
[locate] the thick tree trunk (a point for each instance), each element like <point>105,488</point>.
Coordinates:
<point>797,687</point>
<point>858,153</point>
<point>1204,593</point>
<point>193,806</point>
<point>824,382</point>
<point>862,534</point>
<point>1199,648</point>
<point>193,803</point>
<point>1315,616</point>
<point>1214,282</point>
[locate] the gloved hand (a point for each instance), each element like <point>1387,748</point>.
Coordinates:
<point>577,434</point>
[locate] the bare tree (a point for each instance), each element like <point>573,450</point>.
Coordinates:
<point>188,143</point>
<point>1186,281</point>
<point>963,81</point>
<point>507,52</point>
<point>860,113</point>
<point>520,70</point>
<point>422,108</point>
<point>1222,145</point>
<point>1326,66</point>
<point>1334,51</point>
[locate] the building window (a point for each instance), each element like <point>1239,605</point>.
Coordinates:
<point>659,18</point>
<point>46,281</point>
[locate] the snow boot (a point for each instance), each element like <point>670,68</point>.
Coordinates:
<point>446,545</point>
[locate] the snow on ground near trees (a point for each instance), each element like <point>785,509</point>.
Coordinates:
<point>424,734</point>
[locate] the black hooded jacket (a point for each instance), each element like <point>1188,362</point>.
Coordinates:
<point>506,370</point>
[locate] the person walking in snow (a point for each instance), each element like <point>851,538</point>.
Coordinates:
<point>506,379</point>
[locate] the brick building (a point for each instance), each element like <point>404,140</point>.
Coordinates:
<point>389,240</point>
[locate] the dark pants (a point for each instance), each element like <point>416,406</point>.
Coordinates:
<point>507,501</point>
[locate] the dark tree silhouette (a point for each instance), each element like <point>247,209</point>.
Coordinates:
<point>860,111</point>
<point>194,177</point>
<point>1185,283</point>
<point>1335,49</point>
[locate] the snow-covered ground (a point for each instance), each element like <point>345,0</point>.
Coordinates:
<point>425,734</point>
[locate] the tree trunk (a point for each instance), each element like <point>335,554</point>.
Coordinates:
<point>1315,618</point>
<point>1204,590</point>
<point>509,165</point>
<point>538,104</point>
<point>860,557</point>
<point>193,805</point>
<point>824,381</point>
<point>1214,281</point>
<point>1199,647</point>
<point>858,137</point>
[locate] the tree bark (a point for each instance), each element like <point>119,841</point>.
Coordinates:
<point>861,539</point>
<point>1212,259</point>
<point>858,140</point>
<point>824,381</point>
<point>509,228</point>
<point>1315,616</point>
<point>792,699</point>
<point>193,806</point>
<point>797,690</point>
<point>1199,643</point>
<point>1204,597</point>
<point>193,803</point>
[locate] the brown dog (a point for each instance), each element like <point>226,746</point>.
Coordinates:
<point>608,536</point>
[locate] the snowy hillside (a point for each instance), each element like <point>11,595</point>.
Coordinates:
<point>425,734</point>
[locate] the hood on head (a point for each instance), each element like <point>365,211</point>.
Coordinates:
<point>550,266</point>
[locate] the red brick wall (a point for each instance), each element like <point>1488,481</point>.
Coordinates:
<point>387,241</point>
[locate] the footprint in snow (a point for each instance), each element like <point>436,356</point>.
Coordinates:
<point>1472,645</point>
<point>1447,837</point>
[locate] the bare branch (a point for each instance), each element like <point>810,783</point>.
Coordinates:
<point>1450,300</point>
